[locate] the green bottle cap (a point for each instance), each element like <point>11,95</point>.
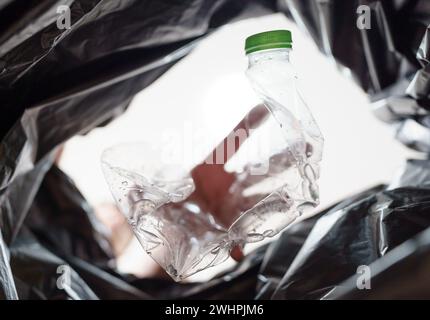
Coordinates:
<point>268,40</point>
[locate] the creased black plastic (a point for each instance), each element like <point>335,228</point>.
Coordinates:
<point>401,274</point>
<point>281,253</point>
<point>390,60</point>
<point>37,272</point>
<point>73,228</point>
<point>369,229</point>
<point>9,290</point>
<point>55,84</point>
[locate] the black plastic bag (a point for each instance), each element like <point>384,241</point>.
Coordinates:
<point>56,83</point>
<point>351,235</point>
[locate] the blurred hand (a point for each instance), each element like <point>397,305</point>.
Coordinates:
<point>213,182</point>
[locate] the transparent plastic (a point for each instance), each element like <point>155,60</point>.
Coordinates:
<point>264,178</point>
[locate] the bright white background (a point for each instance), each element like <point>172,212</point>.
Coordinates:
<point>359,150</point>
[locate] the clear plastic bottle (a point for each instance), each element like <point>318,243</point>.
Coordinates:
<point>270,162</point>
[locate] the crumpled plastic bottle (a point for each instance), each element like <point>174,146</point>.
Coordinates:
<point>271,160</point>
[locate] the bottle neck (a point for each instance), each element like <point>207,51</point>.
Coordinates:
<point>257,57</point>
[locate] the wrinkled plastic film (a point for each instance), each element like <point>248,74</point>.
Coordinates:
<point>8,285</point>
<point>20,73</point>
<point>74,95</point>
